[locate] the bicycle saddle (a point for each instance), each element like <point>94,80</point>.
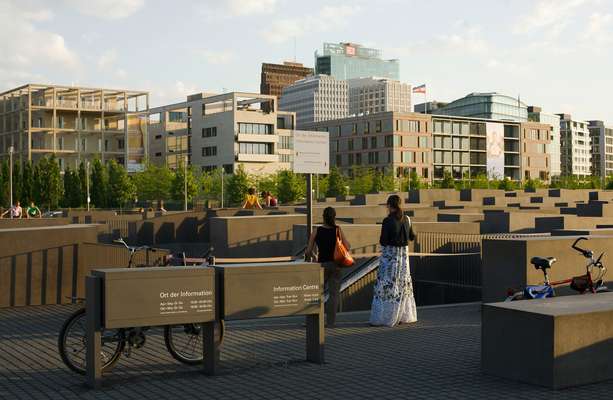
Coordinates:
<point>542,262</point>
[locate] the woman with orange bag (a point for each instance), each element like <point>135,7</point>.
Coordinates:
<point>393,301</point>
<point>325,240</point>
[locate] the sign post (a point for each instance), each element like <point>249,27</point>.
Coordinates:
<point>311,156</point>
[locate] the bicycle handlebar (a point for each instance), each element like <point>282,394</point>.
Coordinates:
<point>134,248</point>
<point>585,253</point>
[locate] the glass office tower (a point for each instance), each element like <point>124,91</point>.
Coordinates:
<point>348,61</point>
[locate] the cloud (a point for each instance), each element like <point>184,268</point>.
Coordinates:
<point>106,9</point>
<point>236,8</point>
<point>551,16</point>
<point>329,17</point>
<point>174,92</point>
<point>218,57</point>
<point>26,47</point>
<point>598,28</point>
<point>107,59</point>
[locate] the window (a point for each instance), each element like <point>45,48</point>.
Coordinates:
<point>364,143</point>
<point>106,145</point>
<point>373,143</point>
<point>120,144</point>
<point>354,129</point>
<point>339,160</point>
<point>378,126</point>
<point>389,141</point>
<point>209,151</point>
<point>158,154</point>
<point>423,142</point>
<point>255,129</point>
<point>255,148</point>
<point>358,159</point>
<point>350,144</point>
<point>285,158</point>
<point>285,142</point>
<point>373,157</point>
<point>84,144</point>
<point>366,127</point>
<point>209,132</point>
<point>350,158</point>
<point>158,136</point>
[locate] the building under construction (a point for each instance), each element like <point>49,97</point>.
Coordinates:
<point>75,124</point>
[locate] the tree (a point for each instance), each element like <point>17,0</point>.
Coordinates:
<point>16,182</point>
<point>154,183</point>
<point>480,182</point>
<point>321,185</point>
<point>336,183</point>
<point>99,184</point>
<point>48,187</point>
<point>178,184</point>
<point>237,186</point>
<point>507,184</point>
<point>4,191</point>
<point>27,183</point>
<point>383,182</point>
<point>121,188</point>
<point>447,182</point>
<point>72,188</point>
<point>362,180</point>
<point>209,184</point>
<point>291,186</point>
<point>532,184</point>
<point>83,181</point>
<point>414,182</point>
<point>268,183</point>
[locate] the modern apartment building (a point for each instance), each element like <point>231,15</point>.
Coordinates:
<point>432,144</point>
<point>275,77</point>
<point>602,148</point>
<point>537,115</point>
<point>575,147</point>
<point>401,142</point>
<point>350,60</point>
<point>224,131</point>
<point>487,105</point>
<point>74,124</point>
<point>373,95</point>
<point>315,98</point>
<point>169,135</point>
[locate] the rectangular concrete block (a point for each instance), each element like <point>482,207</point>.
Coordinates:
<point>558,342</point>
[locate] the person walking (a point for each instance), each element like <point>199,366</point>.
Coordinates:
<point>33,212</point>
<point>251,200</point>
<point>14,212</point>
<point>324,238</point>
<point>393,301</point>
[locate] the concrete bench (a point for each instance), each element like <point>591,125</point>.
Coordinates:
<point>558,342</point>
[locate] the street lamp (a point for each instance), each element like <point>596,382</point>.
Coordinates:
<point>87,183</point>
<point>185,182</point>
<point>11,150</point>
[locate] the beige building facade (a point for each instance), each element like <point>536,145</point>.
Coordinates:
<point>75,124</point>
<point>223,131</point>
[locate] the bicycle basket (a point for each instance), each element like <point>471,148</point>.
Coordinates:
<point>580,283</point>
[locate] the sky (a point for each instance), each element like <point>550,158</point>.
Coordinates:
<point>557,54</point>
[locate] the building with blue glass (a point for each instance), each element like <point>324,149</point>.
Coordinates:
<point>487,105</point>
<point>349,61</point>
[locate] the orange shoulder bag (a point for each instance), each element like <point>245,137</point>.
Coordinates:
<point>342,257</point>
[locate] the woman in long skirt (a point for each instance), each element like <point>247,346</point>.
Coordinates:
<point>393,302</point>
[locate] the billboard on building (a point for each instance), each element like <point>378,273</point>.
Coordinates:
<point>495,149</point>
<point>350,50</point>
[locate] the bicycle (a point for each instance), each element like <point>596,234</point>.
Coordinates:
<point>582,284</point>
<point>183,342</point>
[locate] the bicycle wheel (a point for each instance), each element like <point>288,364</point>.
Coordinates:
<point>184,342</point>
<point>72,344</point>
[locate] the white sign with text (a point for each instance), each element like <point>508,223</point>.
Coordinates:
<point>311,152</point>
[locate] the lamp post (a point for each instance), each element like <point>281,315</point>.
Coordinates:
<point>87,183</point>
<point>11,150</point>
<point>185,182</point>
<point>223,172</point>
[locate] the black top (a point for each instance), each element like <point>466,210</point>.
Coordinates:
<point>325,238</point>
<point>396,232</point>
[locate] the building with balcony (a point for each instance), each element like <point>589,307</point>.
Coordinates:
<point>432,144</point>
<point>373,95</point>
<point>487,105</point>
<point>275,77</point>
<point>224,131</point>
<point>315,98</point>
<point>350,60</point>
<point>575,147</point>
<point>169,138</point>
<point>601,137</point>
<point>535,114</point>
<point>75,124</point>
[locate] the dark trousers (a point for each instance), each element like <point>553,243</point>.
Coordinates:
<point>332,276</point>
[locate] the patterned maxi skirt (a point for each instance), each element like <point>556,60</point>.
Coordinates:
<point>393,300</point>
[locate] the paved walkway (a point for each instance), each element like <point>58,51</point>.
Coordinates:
<point>436,358</point>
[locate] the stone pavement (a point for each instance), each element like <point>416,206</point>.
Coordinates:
<point>436,358</point>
